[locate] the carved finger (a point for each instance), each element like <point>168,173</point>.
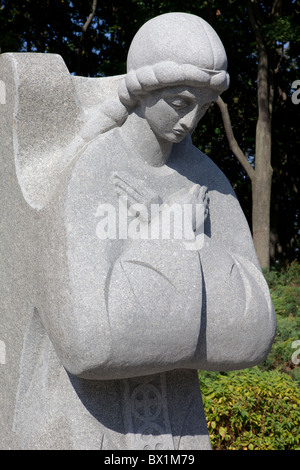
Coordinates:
<point>122,181</point>
<point>195,189</point>
<point>129,199</point>
<point>128,191</point>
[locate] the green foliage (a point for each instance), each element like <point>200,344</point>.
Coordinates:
<point>282,29</point>
<point>284,286</point>
<point>285,289</point>
<point>288,331</point>
<point>252,409</point>
<point>259,408</point>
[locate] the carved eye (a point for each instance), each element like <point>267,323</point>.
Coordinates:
<point>178,103</point>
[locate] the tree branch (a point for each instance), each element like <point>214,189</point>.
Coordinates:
<point>90,17</point>
<point>235,148</point>
<point>83,36</point>
<point>277,8</point>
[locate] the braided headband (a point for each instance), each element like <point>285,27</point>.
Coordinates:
<point>167,73</point>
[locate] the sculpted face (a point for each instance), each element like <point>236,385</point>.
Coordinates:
<point>174,112</point>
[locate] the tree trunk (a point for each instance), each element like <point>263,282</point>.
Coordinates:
<point>262,180</point>
<point>261,194</point>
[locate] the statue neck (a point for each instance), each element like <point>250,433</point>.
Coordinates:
<point>143,142</point>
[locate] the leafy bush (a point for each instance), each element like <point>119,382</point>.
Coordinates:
<point>259,408</point>
<point>280,357</point>
<point>285,289</point>
<point>252,409</point>
<point>284,286</point>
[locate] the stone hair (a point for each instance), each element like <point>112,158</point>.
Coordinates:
<point>148,78</point>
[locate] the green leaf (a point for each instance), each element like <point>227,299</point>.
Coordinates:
<point>222,432</point>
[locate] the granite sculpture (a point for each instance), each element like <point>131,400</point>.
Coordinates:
<point>126,260</point>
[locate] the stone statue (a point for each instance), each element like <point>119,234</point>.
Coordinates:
<point>129,263</point>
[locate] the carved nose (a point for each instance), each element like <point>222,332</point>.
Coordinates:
<point>189,121</point>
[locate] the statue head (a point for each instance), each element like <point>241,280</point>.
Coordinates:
<point>174,49</point>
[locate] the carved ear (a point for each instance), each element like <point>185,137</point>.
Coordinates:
<point>42,109</point>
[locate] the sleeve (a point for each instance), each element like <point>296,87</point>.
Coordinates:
<point>238,313</point>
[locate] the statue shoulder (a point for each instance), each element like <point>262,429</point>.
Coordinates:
<point>203,170</point>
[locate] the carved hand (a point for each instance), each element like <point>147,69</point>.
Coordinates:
<point>197,195</point>
<point>136,192</point>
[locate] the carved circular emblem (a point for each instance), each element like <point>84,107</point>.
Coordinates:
<point>146,402</point>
